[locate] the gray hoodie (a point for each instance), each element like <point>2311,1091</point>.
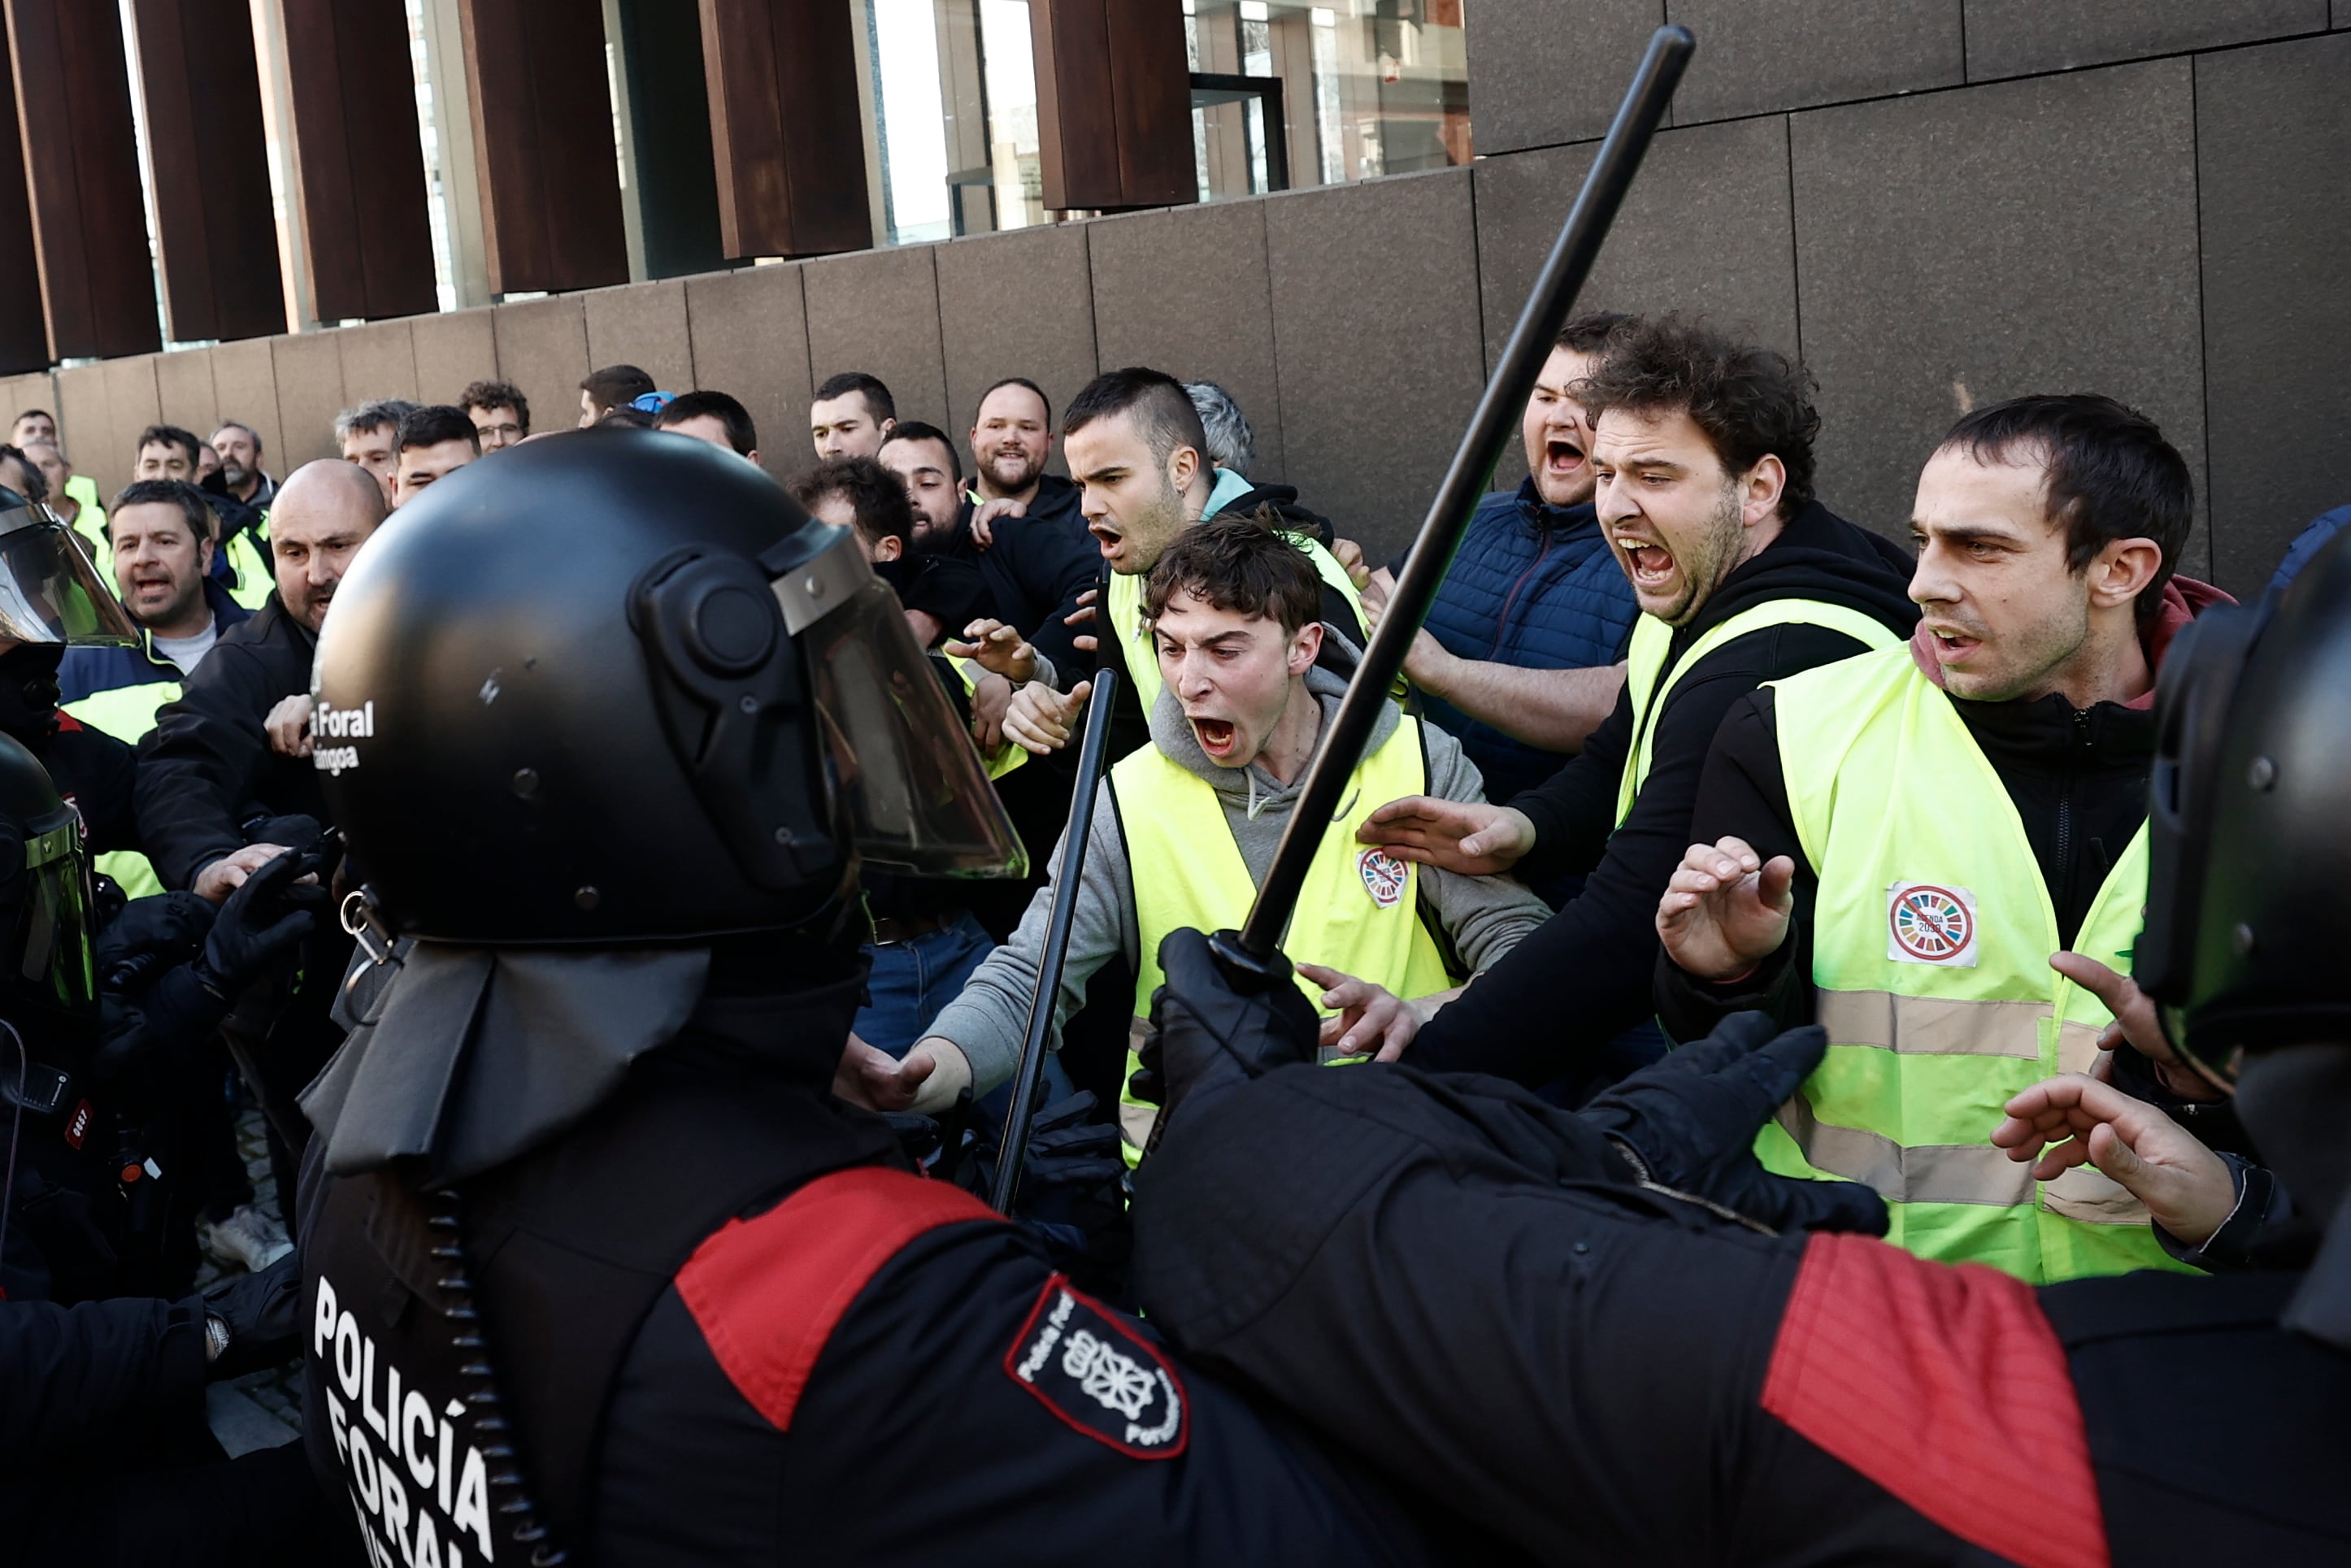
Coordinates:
<point>1485,916</point>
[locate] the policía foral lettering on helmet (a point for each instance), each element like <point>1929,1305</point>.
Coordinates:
<point>328,723</point>
<point>440,1513</point>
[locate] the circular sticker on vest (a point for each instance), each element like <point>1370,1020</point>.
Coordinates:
<point>1383,876</point>
<point>1928,924</point>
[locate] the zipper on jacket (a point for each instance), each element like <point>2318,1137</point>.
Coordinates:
<point>2066,868</point>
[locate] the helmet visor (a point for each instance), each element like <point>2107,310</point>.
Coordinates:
<point>913,789</point>
<point>52,947</point>
<point>49,592</point>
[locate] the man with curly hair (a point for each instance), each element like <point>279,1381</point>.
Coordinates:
<point>1702,459</point>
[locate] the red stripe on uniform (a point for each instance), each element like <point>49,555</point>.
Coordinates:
<point>766,1292</point>
<point>1948,1387</point>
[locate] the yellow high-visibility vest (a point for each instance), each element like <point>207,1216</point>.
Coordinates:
<point>1123,617</point>
<point>1644,663</point>
<point>1931,938</point>
<point>1358,913</point>
<point>127,713</point>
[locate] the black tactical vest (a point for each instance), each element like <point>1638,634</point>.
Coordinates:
<point>565,1251</point>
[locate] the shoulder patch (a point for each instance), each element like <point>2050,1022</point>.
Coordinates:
<point>1098,1374</point>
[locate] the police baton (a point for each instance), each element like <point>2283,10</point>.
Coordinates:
<point>1252,957</point>
<point>1026,1077</point>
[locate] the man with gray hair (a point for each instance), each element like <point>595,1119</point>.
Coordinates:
<point>368,436</point>
<point>1232,444</point>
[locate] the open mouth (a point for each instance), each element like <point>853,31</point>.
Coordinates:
<point>1562,458</point>
<point>1950,647</point>
<point>1651,565</point>
<point>1108,536</point>
<point>1218,736</point>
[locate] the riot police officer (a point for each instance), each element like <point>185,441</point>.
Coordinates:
<point>1608,1344</point>
<point>594,1266</point>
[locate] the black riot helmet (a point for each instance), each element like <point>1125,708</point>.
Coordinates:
<point>49,591</point>
<point>2249,824</point>
<point>45,904</point>
<point>615,687</point>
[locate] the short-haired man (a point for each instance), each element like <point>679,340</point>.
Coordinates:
<point>849,414</point>
<point>162,564</point>
<point>714,417</point>
<point>859,494</point>
<point>239,546</point>
<point>368,436</point>
<point>614,386</point>
<point>435,441</point>
<point>1702,453</point>
<point>1137,453</point>
<point>238,447</point>
<point>1187,826</point>
<point>40,425</point>
<point>1895,846</point>
<point>1521,655</point>
<point>87,518</point>
<point>500,412</point>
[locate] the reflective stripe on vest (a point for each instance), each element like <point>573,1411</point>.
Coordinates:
<point>1008,755</point>
<point>1644,663</point>
<point>127,713</point>
<point>1932,936</point>
<point>1125,611</point>
<point>1358,912</point>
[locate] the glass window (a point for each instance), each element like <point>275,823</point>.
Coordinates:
<point>955,97</point>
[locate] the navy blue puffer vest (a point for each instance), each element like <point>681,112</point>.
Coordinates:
<point>1533,586</point>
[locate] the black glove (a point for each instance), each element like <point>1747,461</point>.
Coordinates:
<point>1689,1123</point>
<point>294,832</point>
<point>1208,1034</point>
<point>262,1313</point>
<point>1068,1150</point>
<point>257,925</point>
<point>150,935</point>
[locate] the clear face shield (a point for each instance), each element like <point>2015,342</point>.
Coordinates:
<point>49,592</point>
<point>911,787</point>
<point>53,936</point>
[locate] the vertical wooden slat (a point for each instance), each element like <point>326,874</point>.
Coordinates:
<point>786,132</point>
<point>24,333</point>
<point>217,230</point>
<point>81,167</point>
<point>1113,103</point>
<point>542,112</point>
<point>367,230</point>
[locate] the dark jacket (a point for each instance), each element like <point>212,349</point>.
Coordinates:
<point>1035,568</point>
<point>2077,776</point>
<point>1283,500</point>
<point>206,769</point>
<point>1533,586</point>
<point>87,671</point>
<point>1444,1278</point>
<point>1548,1009</point>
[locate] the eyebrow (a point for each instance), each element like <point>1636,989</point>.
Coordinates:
<point>1964,533</point>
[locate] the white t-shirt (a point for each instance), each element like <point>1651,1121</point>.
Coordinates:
<point>188,651</point>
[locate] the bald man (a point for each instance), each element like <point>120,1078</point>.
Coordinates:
<point>210,761</point>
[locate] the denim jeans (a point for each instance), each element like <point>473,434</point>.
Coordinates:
<point>911,982</point>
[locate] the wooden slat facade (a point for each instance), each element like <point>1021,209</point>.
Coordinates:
<point>785,130</point>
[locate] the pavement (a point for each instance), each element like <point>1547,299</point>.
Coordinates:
<point>261,1409</point>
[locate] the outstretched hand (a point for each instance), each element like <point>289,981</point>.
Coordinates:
<point>1473,838</point>
<point>1726,909</point>
<point>1043,720</point>
<point>2136,1025</point>
<point>996,648</point>
<point>2061,1122</point>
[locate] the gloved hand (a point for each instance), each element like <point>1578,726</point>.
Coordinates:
<point>1067,1151</point>
<point>1209,1034</point>
<point>256,926</point>
<point>1689,1121</point>
<point>150,935</point>
<point>261,1312</point>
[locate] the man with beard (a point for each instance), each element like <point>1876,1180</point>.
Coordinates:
<point>1702,453</point>
<point>1137,450</point>
<point>1939,851</point>
<point>1520,657</point>
<point>227,771</point>
<point>238,447</point>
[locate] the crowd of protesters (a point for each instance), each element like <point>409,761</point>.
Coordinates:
<point>1606,811</point>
